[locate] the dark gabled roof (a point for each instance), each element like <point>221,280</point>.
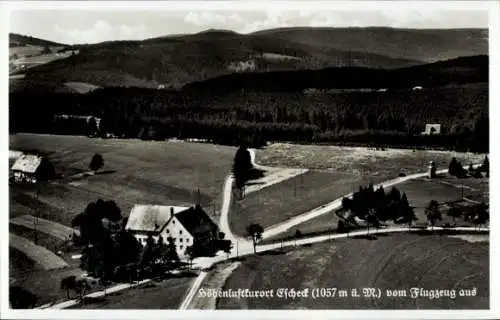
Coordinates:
<point>196,220</point>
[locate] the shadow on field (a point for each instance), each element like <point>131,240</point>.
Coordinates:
<point>254,174</point>
<point>21,298</point>
<point>91,300</point>
<point>275,252</point>
<point>366,237</point>
<point>114,294</point>
<point>148,286</point>
<point>254,183</point>
<point>105,172</point>
<point>237,259</point>
<point>183,274</point>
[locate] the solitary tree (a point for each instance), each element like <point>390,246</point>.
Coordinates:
<point>254,231</point>
<point>452,167</point>
<point>96,163</point>
<point>482,214</point>
<point>433,213</point>
<point>407,211</point>
<point>226,246</point>
<point>241,166</point>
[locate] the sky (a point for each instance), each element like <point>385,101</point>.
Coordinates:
<point>78,24</point>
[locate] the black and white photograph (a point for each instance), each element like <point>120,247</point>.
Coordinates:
<point>246,155</point>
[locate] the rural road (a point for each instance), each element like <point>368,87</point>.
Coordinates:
<point>276,175</point>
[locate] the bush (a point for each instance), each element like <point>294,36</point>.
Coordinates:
<point>341,227</point>
<point>96,163</point>
<point>477,173</point>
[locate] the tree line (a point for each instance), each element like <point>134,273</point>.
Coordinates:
<point>375,206</point>
<point>371,118</point>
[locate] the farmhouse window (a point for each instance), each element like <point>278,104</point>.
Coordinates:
<point>168,231</point>
<point>180,239</point>
<point>187,239</point>
<point>180,231</point>
<point>180,247</point>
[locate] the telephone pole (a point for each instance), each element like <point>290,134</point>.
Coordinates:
<point>294,188</point>
<point>35,221</point>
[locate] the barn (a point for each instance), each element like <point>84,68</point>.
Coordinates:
<point>32,168</point>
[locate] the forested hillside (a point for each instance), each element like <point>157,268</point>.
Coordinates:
<point>377,118</point>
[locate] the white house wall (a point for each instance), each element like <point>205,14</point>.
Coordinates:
<point>176,230</point>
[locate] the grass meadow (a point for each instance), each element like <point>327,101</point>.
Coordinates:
<point>134,172</point>
<point>398,261</point>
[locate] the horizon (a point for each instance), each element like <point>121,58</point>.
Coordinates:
<point>99,22</point>
<point>242,33</point>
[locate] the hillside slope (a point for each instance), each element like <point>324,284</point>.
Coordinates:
<point>19,40</point>
<point>427,45</point>
<point>170,62</point>
<point>26,52</point>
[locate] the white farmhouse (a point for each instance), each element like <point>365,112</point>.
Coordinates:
<point>187,226</point>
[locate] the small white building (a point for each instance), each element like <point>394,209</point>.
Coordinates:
<point>432,128</point>
<point>187,226</point>
<point>242,66</point>
<point>32,168</point>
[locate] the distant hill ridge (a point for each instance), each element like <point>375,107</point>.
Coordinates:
<point>23,40</point>
<point>176,60</point>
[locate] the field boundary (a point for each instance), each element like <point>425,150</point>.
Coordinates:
<point>43,257</point>
<point>52,228</point>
